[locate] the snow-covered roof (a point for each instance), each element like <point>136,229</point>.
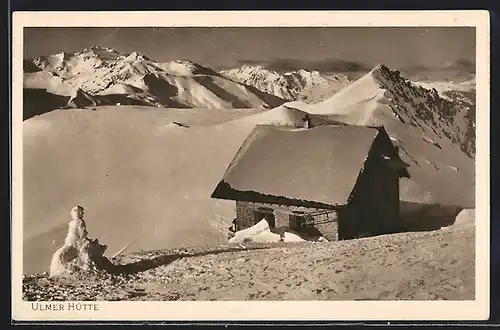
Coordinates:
<point>319,165</point>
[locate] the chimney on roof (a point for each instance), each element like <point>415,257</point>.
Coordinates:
<point>307,121</point>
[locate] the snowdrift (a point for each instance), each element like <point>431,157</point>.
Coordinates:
<point>261,233</point>
<point>465,218</point>
<point>252,232</point>
<point>282,116</point>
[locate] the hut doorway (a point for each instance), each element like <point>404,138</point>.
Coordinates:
<point>267,214</point>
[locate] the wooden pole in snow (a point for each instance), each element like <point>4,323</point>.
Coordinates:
<point>124,248</point>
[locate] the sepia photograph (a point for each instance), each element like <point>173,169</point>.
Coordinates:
<point>240,163</point>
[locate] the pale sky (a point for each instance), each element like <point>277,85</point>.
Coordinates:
<point>323,49</point>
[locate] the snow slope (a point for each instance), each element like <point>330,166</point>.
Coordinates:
<point>309,86</point>
<point>135,172</point>
<point>44,90</point>
<point>464,94</point>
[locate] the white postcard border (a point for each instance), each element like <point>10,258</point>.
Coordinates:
<point>265,310</point>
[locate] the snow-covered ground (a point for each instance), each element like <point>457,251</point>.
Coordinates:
<point>435,265</point>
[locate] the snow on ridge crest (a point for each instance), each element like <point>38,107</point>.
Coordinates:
<point>383,93</point>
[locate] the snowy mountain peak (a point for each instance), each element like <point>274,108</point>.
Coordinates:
<point>302,84</point>
<point>95,49</point>
<point>102,53</point>
<point>387,78</point>
<point>186,68</point>
<point>380,68</point>
<point>191,64</point>
<point>305,72</point>
<point>250,71</point>
<point>246,67</point>
<point>135,57</point>
<point>383,72</point>
<point>100,48</point>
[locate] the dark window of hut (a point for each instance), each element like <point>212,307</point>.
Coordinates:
<point>299,221</point>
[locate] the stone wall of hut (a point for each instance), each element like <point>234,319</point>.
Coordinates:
<point>309,222</point>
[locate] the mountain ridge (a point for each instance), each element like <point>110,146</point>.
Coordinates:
<point>293,85</point>
<point>186,84</point>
